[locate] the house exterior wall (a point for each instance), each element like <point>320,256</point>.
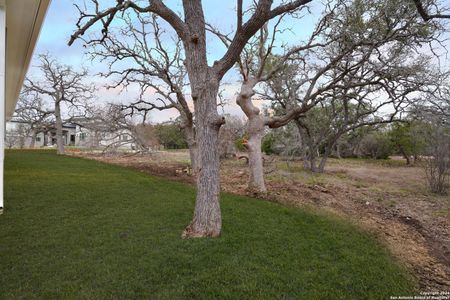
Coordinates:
<point>18,135</point>
<point>98,139</point>
<point>24,19</point>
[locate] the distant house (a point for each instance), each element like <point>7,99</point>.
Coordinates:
<point>88,137</point>
<point>20,135</point>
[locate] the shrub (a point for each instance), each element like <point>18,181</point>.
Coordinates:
<point>267,144</point>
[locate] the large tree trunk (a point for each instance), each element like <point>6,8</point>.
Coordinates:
<point>255,130</point>
<point>59,129</point>
<point>255,162</point>
<point>207,220</point>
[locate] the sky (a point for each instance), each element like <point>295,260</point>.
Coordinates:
<point>63,15</point>
<point>60,24</point>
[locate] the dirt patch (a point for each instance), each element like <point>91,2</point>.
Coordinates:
<point>391,201</point>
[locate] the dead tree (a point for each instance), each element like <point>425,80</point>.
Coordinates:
<point>61,84</point>
<point>204,81</point>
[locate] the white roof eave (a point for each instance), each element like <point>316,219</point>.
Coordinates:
<point>24,19</point>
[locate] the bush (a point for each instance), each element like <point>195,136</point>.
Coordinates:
<point>377,146</point>
<point>267,144</point>
<point>437,163</point>
<point>170,136</point>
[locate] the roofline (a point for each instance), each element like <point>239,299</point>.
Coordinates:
<point>17,82</point>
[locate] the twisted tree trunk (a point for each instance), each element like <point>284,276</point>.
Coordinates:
<point>255,162</point>
<point>255,131</point>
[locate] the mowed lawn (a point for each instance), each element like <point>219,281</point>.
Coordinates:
<point>79,229</point>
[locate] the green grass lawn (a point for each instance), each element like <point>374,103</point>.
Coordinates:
<point>79,229</point>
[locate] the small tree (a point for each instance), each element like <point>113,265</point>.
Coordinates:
<point>376,145</point>
<point>408,139</point>
<point>170,135</point>
<point>437,164</point>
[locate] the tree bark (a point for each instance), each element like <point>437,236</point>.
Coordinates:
<point>312,161</point>
<point>328,150</point>
<point>255,162</point>
<point>255,130</point>
<point>59,129</point>
<point>33,139</point>
<point>338,151</point>
<point>207,220</point>
<point>406,156</point>
<point>189,134</point>
<point>323,161</point>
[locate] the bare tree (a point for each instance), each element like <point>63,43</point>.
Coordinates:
<point>366,68</point>
<point>437,163</point>
<point>257,64</point>
<point>136,56</point>
<point>32,110</point>
<point>61,84</point>
<point>11,138</point>
<point>109,127</point>
<point>365,102</point>
<point>429,10</point>
<point>434,112</point>
<point>204,81</point>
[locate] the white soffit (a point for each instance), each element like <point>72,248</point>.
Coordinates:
<point>24,19</point>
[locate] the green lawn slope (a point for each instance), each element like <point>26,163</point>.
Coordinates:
<point>79,229</point>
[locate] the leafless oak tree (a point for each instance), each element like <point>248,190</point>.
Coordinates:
<point>257,64</point>
<point>204,81</point>
<point>32,110</point>
<point>135,55</point>
<point>60,84</point>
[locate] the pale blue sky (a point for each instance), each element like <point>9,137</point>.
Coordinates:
<point>60,24</point>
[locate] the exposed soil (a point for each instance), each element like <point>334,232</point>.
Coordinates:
<point>389,199</point>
